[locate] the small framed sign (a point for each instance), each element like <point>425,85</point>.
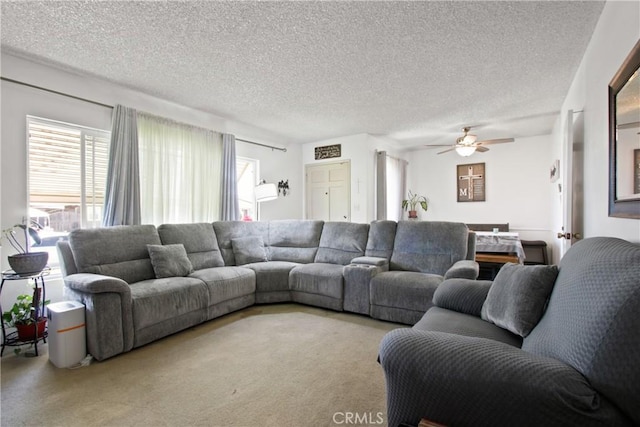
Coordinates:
<point>471,178</point>
<point>328,151</point>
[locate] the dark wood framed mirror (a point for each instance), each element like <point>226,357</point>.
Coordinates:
<point>624,138</point>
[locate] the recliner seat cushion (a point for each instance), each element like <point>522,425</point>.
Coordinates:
<point>156,300</point>
<point>404,289</point>
<point>226,283</point>
<point>318,278</point>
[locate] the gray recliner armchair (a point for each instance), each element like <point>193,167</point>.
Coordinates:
<point>578,366</point>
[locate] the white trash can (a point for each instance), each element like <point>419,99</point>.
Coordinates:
<point>67,338</point>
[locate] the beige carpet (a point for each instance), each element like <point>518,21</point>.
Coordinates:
<point>272,365</point>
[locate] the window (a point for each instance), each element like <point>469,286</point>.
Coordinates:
<point>67,171</point>
<point>180,178</point>
<point>246,171</point>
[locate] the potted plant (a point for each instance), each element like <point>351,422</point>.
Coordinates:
<point>412,202</point>
<point>25,262</point>
<point>25,316</point>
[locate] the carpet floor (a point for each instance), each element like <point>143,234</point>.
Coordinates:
<point>269,365</point>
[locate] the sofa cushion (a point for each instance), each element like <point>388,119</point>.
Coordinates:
<point>293,240</point>
<point>318,278</point>
<point>341,242</point>
<point>429,246</point>
<point>226,283</point>
<point>438,319</point>
<point>159,300</point>
<point>248,249</point>
<point>404,289</point>
<point>169,260</point>
<point>518,296</point>
<point>381,236</point>
<point>227,230</point>
<point>119,251</point>
<point>199,241</point>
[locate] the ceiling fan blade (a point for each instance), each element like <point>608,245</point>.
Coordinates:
<point>438,145</point>
<point>495,141</point>
<point>446,151</point>
<point>481,149</point>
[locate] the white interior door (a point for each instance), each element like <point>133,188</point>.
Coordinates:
<point>328,191</point>
<point>572,178</point>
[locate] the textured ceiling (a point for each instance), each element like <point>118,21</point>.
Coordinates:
<point>305,71</point>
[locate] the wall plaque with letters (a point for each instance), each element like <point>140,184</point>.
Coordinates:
<point>328,151</point>
<point>471,178</point>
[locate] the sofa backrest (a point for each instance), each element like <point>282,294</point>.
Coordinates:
<point>227,230</point>
<point>293,240</point>
<point>381,237</point>
<point>341,242</point>
<point>284,240</point>
<point>429,246</point>
<point>592,321</point>
<point>119,251</point>
<point>199,241</point>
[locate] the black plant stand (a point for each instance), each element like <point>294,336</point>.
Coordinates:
<point>11,339</point>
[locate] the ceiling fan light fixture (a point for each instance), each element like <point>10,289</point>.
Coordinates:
<point>465,151</point>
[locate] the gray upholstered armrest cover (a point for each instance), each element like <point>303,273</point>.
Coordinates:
<point>108,312</point>
<point>463,269</point>
<point>460,380</point>
<point>96,283</point>
<point>462,295</point>
<point>372,260</point>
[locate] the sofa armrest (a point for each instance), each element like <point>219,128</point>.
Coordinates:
<point>357,291</point>
<point>459,380</point>
<point>383,263</point>
<point>462,295</point>
<point>463,269</point>
<point>108,312</point>
<point>96,283</point>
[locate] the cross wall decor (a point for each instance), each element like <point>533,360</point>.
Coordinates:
<point>471,178</point>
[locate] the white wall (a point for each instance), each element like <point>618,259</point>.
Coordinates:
<point>18,101</point>
<point>517,186</point>
<point>616,33</point>
<point>277,166</point>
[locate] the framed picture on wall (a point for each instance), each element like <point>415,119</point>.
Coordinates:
<point>471,178</point>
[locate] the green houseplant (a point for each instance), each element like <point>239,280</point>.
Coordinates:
<point>25,316</point>
<point>25,262</point>
<point>412,202</point>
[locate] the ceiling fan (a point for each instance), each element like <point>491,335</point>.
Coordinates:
<point>468,144</point>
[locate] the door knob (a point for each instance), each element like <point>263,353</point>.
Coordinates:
<point>564,236</point>
<point>577,236</point>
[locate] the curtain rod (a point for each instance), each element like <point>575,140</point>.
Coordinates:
<point>111,106</point>
<point>391,157</point>
<point>262,145</point>
<point>56,92</point>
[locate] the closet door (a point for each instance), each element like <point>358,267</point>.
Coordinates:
<point>328,191</point>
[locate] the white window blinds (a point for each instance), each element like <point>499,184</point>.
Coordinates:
<point>67,168</point>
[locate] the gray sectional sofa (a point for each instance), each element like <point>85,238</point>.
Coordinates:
<point>562,349</point>
<point>141,283</point>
